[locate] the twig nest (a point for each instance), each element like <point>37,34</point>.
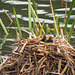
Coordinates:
<point>41,55</point>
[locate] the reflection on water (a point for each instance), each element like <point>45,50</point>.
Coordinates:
<point>68,0</point>
<point>41,12</point>
<point>26,28</point>
<point>43,5</point>
<point>63,9</point>
<point>44,13</point>
<point>2,11</point>
<point>60,15</point>
<point>62,25</point>
<point>17,2</point>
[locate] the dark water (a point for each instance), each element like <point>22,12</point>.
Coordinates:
<point>43,11</point>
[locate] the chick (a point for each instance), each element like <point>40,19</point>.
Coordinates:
<point>50,39</point>
<point>46,38</point>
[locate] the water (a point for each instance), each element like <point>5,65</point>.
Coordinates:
<point>43,11</point>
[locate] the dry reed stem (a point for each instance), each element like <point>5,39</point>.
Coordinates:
<point>62,4</point>
<point>65,12</point>
<point>73,71</point>
<point>35,15</point>
<point>40,58</point>
<point>54,73</point>
<point>54,17</point>
<point>64,69</point>
<point>42,63</point>
<point>59,65</point>
<point>8,17</point>
<point>22,69</point>
<point>23,47</point>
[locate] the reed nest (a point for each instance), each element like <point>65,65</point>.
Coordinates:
<point>35,57</point>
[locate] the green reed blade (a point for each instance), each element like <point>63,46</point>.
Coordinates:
<point>71,30</point>
<point>3,27</point>
<point>3,41</point>
<point>46,28</point>
<point>0,56</point>
<point>29,13</point>
<point>69,13</point>
<point>41,28</point>
<point>54,18</point>
<point>19,29</point>
<point>34,22</point>
<point>37,18</point>
<point>33,17</point>
<point>34,30</point>
<point>35,9</point>
<point>57,24</point>
<point>34,6</point>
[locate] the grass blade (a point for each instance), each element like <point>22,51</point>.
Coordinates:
<point>37,18</point>
<point>47,29</point>
<point>34,28</point>
<point>54,18</point>
<point>3,42</point>
<point>41,28</point>
<point>34,6</point>
<point>71,30</point>
<point>29,13</point>
<point>35,9</point>
<point>67,20</point>
<point>17,22</point>
<point>3,27</point>
<point>57,25</point>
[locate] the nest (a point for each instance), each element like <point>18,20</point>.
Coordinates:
<point>35,57</point>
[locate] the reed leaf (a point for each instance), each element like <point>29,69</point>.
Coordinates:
<point>3,27</point>
<point>71,30</point>
<point>3,41</point>
<point>47,29</point>
<point>35,9</point>
<point>33,17</point>
<point>19,29</point>
<point>29,13</point>
<point>54,17</point>
<point>67,20</point>
<point>37,18</point>
<point>41,28</point>
<point>34,6</point>
<point>57,25</point>
<point>34,28</point>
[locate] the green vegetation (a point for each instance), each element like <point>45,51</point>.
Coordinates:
<point>3,27</point>
<point>72,5</point>
<point>29,13</point>
<point>17,22</point>
<point>71,30</point>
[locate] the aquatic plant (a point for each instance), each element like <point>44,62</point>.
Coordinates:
<point>67,20</point>
<point>19,29</point>
<point>29,13</point>
<point>68,17</point>
<point>3,26</point>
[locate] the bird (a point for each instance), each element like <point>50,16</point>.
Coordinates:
<point>44,38</point>
<point>47,39</point>
<point>50,39</point>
